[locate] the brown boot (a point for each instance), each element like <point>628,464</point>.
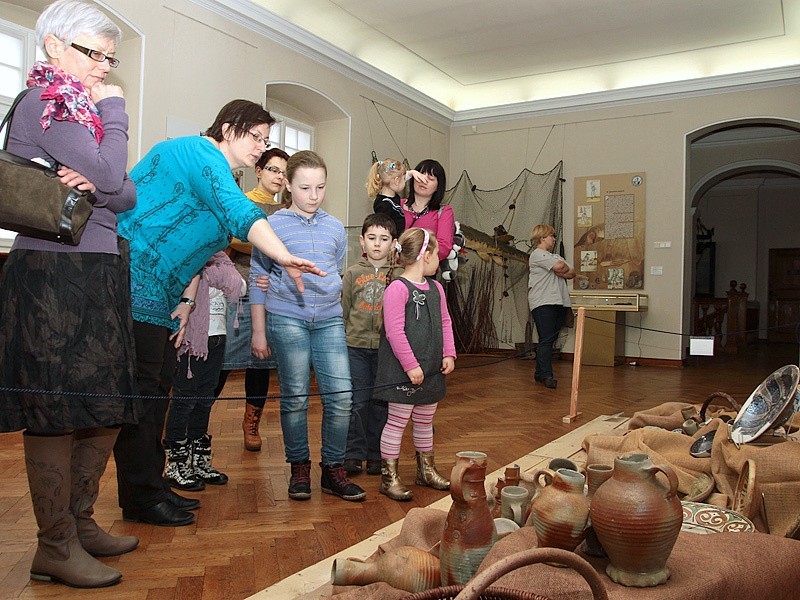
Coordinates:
<point>252,417</point>
<point>390,481</point>
<point>427,473</point>
<point>59,554</point>
<point>90,451</point>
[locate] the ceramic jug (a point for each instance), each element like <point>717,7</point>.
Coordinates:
<point>405,568</point>
<point>469,530</point>
<point>637,519</point>
<point>560,509</point>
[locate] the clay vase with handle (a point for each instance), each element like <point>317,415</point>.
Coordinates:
<point>405,568</point>
<point>469,531</point>
<point>560,509</point>
<point>637,519</point>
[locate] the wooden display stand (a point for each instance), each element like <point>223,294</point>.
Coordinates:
<point>604,338</point>
<point>604,335</point>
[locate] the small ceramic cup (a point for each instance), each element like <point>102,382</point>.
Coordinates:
<point>690,426</point>
<point>514,503</point>
<point>596,475</point>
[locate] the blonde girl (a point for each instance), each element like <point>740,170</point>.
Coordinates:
<point>416,351</point>
<point>386,182</point>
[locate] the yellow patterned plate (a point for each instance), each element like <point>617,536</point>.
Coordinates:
<point>707,518</point>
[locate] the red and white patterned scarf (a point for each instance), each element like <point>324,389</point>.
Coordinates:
<point>68,98</point>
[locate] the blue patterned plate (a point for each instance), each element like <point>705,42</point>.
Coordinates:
<point>770,405</point>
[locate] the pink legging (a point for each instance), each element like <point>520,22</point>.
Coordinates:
<point>399,414</point>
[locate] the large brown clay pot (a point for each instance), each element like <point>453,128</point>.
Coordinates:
<point>560,509</point>
<point>405,568</point>
<point>469,531</point>
<point>637,519</point>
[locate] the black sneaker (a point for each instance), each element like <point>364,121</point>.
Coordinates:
<point>373,467</point>
<point>334,481</point>
<point>352,466</point>
<point>300,482</point>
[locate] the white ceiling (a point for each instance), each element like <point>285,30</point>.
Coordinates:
<point>470,57</point>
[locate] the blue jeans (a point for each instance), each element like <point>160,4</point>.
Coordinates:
<point>549,320</point>
<point>297,346</point>
<point>188,418</point>
<point>369,414</point>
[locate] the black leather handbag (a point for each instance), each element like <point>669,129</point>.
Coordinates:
<point>34,202</point>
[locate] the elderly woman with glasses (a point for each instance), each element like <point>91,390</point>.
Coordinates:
<point>548,298</point>
<point>188,207</point>
<point>65,320</point>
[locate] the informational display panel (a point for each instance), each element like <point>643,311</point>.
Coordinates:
<point>609,232</point>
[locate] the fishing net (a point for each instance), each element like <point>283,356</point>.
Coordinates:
<point>488,300</point>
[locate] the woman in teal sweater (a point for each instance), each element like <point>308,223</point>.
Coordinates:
<point>188,207</point>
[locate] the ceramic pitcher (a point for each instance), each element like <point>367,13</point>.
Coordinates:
<point>405,568</point>
<point>560,509</point>
<point>469,531</point>
<point>637,519</point>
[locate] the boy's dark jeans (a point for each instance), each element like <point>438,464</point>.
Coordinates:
<point>368,416</point>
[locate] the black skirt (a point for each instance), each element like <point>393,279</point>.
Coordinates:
<point>66,326</point>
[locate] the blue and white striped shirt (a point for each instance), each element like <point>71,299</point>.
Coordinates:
<point>321,239</point>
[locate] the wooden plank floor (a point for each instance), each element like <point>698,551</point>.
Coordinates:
<point>249,535</point>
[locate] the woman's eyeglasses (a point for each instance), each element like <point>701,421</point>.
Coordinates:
<point>275,170</point>
<point>97,55</point>
<point>259,140</point>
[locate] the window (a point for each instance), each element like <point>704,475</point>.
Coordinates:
<point>17,54</point>
<point>290,135</point>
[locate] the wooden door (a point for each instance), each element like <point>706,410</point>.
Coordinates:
<point>784,295</point>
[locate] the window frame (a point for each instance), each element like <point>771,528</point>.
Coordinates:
<point>280,125</point>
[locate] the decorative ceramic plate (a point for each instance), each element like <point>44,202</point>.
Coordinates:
<point>707,518</point>
<point>770,405</point>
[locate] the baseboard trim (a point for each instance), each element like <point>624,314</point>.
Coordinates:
<point>640,361</point>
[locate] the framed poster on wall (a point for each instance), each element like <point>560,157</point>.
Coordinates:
<point>609,232</point>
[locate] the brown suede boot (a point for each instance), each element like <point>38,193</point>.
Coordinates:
<point>90,451</point>
<point>427,473</point>
<point>59,554</point>
<point>391,485</point>
<point>252,417</point>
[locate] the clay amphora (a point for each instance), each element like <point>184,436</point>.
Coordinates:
<point>469,530</point>
<point>596,475</point>
<point>637,519</point>
<point>560,509</point>
<point>405,568</point>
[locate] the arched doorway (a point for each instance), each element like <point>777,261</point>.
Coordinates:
<point>742,186</point>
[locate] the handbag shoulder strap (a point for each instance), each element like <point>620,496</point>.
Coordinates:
<point>7,119</point>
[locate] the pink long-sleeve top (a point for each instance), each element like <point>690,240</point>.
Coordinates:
<point>443,226</point>
<point>394,320</point>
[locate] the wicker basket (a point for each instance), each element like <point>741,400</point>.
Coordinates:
<point>478,588</point>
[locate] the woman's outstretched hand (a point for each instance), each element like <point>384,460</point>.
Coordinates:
<point>295,267</point>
